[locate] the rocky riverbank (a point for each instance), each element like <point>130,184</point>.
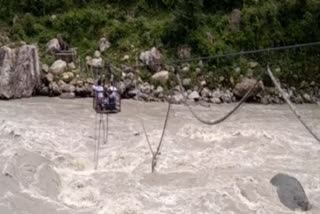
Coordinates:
<point>69,78</point>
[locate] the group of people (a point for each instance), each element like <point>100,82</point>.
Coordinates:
<point>106,97</point>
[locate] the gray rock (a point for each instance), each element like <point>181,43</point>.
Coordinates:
<point>54,89</point>
<point>72,66</point>
<point>186,69</point>
<point>67,77</point>
<point>245,85</point>
<point>290,93</point>
<point>53,46</point>
<point>20,72</point>
<point>291,192</point>
<point>227,97</point>
<point>45,68</point>
<point>162,76</point>
<point>104,44</point>
<point>129,76</point>
<point>66,88</point>
<point>129,84</point>
<point>216,94</point>
<point>79,83</point>
<point>49,78</point>
<point>307,98</point>
<point>58,67</point>
<point>68,95</point>
<point>177,99</point>
<point>90,81</point>
<point>127,69</point>
<point>194,96</point>
<point>145,88</point>
<point>121,87</point>
<point>186,82</point>
<point>215,100</point>
<point>88,59</point>
<point>277,100</point>
<point>152,58</point>
<point>176,88</point>
<point>143,97</point>
<point>97,54</point>
<point>298,99</point>
<point>134,93</point>
<point>159,92</point>
<point>125,58</point>
<point>95,63</point>
<point>265,100</point>
<point>206,93</point>
<point>196,88</point>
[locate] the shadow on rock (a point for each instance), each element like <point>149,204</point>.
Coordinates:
<point>291,192</point>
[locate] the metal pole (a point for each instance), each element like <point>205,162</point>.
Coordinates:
<point>107,130</point>
<point>98,144</point>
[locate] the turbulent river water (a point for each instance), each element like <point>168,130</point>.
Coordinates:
<point>47,150</point>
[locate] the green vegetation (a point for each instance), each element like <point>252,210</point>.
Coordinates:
<point>209,27</point>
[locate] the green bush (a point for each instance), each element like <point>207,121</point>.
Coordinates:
<point>136,25</point>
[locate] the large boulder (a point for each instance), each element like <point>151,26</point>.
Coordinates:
<point>162,76</point>
<point>58,67</point>
<point>245,85</point>
<point>152,58</point>
<point>20,71</point>
<point>290,192</point>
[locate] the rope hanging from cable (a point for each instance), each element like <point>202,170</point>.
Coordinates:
<point>291,106</point>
